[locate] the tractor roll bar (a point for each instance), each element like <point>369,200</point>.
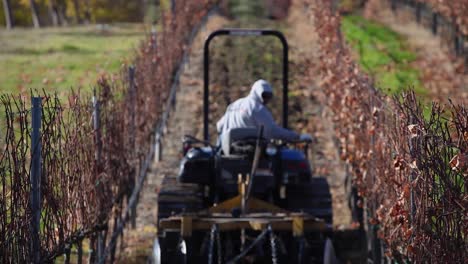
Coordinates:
<point>206,68</point>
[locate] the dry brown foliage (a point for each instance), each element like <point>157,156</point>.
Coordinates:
<point>409,166</point>
<point>87,173</point>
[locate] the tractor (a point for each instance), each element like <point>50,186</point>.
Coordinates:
<point>250,200</point>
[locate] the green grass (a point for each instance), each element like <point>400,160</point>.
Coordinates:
<point>383,54</point>
<point>57,59</point>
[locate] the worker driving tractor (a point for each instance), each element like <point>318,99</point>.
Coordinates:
<point>251,111</point>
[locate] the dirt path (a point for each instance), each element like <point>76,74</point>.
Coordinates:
<point>185,119</point>
<point>304,50</point>
<point>441,73</point>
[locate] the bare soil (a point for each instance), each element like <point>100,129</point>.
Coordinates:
<point>304,50</point>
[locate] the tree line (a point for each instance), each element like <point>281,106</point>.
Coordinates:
<point>39,13</point>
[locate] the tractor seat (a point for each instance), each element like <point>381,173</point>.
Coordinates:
<point>236,134</point>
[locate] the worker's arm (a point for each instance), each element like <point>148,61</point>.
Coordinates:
<point>271,129</point>
<point>220,124</point>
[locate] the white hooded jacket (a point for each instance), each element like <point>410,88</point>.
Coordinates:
<point>250,112</point>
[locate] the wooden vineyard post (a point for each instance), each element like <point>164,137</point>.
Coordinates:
<point>466,55</point>
<point>393,5</point>
<point>98,242</point>
<point>132,87</point>
<point>36,157</point>
<point>434,23</point>
<point>92,251</point>
<point>414,146</point>
<point>79,247</point>
<point>418,12</point>
<point>96,127</point>
<point>457,40</point>
<point>67,254</point>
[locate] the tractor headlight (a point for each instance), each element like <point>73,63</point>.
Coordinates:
<point>271,150</point>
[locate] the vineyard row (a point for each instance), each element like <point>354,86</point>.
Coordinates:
<point>90,154</point>
<point>409,165</point>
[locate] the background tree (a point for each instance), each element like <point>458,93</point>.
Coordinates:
<point>65,12</point>
<point>76,5</point>
<point>62,12</point>
<point>87,12</point>
<point>35,14</point>
<point>53,11</point>
<point>8,15</point>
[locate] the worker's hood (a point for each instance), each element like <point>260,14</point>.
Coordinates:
<point>258,88</point>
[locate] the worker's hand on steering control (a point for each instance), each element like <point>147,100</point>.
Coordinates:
<point>305,137</point>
